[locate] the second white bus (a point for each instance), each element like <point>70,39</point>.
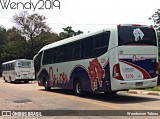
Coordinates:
<point>18,70</point>
<point>119,58</point>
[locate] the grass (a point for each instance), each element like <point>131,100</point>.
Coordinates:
<point>157,88</point>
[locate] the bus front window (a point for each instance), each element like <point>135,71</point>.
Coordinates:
<point>25,64</point>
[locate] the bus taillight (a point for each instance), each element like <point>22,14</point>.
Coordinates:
<point>118,25</point>
<point>156,70</point>
<point>152,27</point>
<point>116,72</point>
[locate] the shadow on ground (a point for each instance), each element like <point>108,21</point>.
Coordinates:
<point>120,98</point>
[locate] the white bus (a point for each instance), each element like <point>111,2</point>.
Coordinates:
<point>18,70</point>
<point>119,58</point>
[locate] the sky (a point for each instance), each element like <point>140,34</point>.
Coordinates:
<point>84,15</point>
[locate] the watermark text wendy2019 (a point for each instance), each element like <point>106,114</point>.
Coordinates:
<point>30,4</point>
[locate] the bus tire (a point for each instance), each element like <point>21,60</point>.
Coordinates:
<point>78,88</point>
<point>46,85</point>
<point>5,79</point>
<point>26,81</point>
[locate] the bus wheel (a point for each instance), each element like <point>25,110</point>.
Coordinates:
<point>78,88</point>
<point>46,86</point>
<point>26,81</point>
<point>4,79</point>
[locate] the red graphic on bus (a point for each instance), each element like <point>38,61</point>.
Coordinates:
<point>137,58</point>
<point>51,76</point>
<point>62,78</point>
<point>95,71</point>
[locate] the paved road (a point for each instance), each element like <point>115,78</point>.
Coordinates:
<point>32,97</point>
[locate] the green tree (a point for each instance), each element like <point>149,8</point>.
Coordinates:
<point>30,26</point>
<point>43,39</point>
<point>68,32</point>
<point>13,35</point>
<point>156,19</point>
<point>3,37</point>
<point>16,46</point>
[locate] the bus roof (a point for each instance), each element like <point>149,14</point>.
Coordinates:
<point>16,60</point>
<point>71,39</point>
<point>81,36</point>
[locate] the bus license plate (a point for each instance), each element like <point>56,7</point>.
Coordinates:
<point>139,84</point>
<point>25,76</point>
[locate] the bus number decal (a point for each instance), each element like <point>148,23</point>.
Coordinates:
<point>129,76</point>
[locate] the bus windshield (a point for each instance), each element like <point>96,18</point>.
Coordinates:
<point>136,35</point>
<point>24,64</point>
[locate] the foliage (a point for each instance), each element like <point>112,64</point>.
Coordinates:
<point>68,32</point>
<point>30,25</point>
<point>18,47</point>
<point>15,47</point>
<point>41,40</point>
<point>3,37</point>
<point>154,89</point>
<point>156,19</point>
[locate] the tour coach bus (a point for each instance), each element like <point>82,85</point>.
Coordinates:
<point>119,58</point>
<point>18,70</point>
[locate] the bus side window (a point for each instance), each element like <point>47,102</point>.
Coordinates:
<point>53,55</point>
<point>101,42</point>
<point>86,51</point>
<point>49,56</point>
<point>12,66</point>
<point>56,55</point>
<point>46,57</point>
<point>61,54</point>
<point>7,66</point>
<point>78,50</point>
<point>72,50</point>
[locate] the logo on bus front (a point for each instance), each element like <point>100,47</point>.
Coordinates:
<point>137,58</point>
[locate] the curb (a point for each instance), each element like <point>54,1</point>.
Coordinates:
<point>143,92</point>
<point>34,81</point>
